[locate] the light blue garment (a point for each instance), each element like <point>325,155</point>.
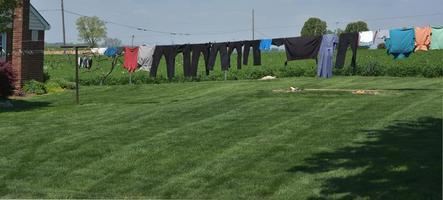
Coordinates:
<point>265,44</point>
<point>401,42</point>
<point>326,54</point>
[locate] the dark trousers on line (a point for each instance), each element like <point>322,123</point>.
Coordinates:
<point>186,50</point>
<point>255,45</point>
<point>346,40</point>
<point>197,50</point>
<point>169,51</point>
<point>237,46</point>
<point>223,49</point>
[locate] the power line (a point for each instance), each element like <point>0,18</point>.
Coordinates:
<point>233,31</point>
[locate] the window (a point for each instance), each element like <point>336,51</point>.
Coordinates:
<point>34,36</point>
<point>3,46</point>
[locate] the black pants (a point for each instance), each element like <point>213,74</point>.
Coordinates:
<point>255,44</point>
<point>346,40</point>
<point>223,49</point>
<point>186,50</point>
<point>197,50</point>
<point>237,46</point>
<point>169,51</point>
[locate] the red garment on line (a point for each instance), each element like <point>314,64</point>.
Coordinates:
<point>131,55</point>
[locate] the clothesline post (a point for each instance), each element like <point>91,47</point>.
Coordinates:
<point>130,78</point>
<point>77,87</point>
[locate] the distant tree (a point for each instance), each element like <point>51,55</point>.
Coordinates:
<point>357,27</point>
<point>7,13</point>
<point>314,27</point>
<point>91,30</point>
<point>112,42</point>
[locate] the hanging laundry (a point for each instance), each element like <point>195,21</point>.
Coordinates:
<point>402,43</point>
<point>223,49</point>
<point>237,46</point>
<point>186,50</point>
<point>197,50</point>
<point>328,44</point>
<point>299,48</point>
<point>170,52</point>
<point>111,52</point>
<point>422,38</point>
<point>437,38</point>
<point>366,38</point>
<point>346,40</point>
<point>255,45</point>
<point>144,58</point>
<point>98,51</point>
<point>130,58</point>
<point>265,44</point>
<point>379,38</point>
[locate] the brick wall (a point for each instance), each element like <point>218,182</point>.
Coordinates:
<point>27,55</point>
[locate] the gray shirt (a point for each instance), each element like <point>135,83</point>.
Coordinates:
<point>145,54</point>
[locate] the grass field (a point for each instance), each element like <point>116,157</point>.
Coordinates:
<point>227,140</point>
<point>370,63</point>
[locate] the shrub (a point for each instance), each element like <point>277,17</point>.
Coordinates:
<point>381,46</point>
<point>35,87</point>
<point>53,87</point>
<point>7,80</point>
<point>372,68</point>
<point>62,83</point>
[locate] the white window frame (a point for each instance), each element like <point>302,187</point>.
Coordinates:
<point>4,47</point>
<point>34,35</point>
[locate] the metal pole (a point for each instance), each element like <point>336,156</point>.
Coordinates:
<point>77,98</point>
<point>63,24</point>
<point>253,24</point>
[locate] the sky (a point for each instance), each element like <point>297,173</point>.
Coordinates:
<point>231,20</point>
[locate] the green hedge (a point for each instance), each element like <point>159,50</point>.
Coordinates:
<point>369,63</point>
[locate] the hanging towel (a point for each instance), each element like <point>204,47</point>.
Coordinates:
<point>379,38</point>
<point>265,44</point>
<point>422,38</point>
<point>402,43</point>
<point>366,38</point>
<point>99,51</point>
<point>144,59</point>
<point>328,44</point>
<point>111,52</point>
<point>130,62</point>
<point>437,38</point>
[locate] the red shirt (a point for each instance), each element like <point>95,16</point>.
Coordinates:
<point>131,59</point>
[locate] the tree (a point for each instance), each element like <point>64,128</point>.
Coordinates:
<point>112,42</point>
<point>314,27</point>
<point>356,27</point>
<point>91,30</point>
<point>7,13</point>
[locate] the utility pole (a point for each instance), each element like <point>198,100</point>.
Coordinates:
<point>63,24</point>
<point>253,24</point>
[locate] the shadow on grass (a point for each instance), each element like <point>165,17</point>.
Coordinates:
<point>402,161</point>
<point>22,105</point>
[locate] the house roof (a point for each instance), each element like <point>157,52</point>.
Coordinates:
<point>37,21</point>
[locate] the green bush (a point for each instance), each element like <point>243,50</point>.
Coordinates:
<point>62,83</point>
<point>35,87</point>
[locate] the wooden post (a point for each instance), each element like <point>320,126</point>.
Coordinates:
<point>77,95</point>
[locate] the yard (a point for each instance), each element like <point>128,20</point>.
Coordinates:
<point>228,140</point>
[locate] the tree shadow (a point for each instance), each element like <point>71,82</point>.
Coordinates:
<point>402,161</point>
<point>21,105</point>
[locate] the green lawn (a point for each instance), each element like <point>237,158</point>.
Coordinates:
<point>228,140</point>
